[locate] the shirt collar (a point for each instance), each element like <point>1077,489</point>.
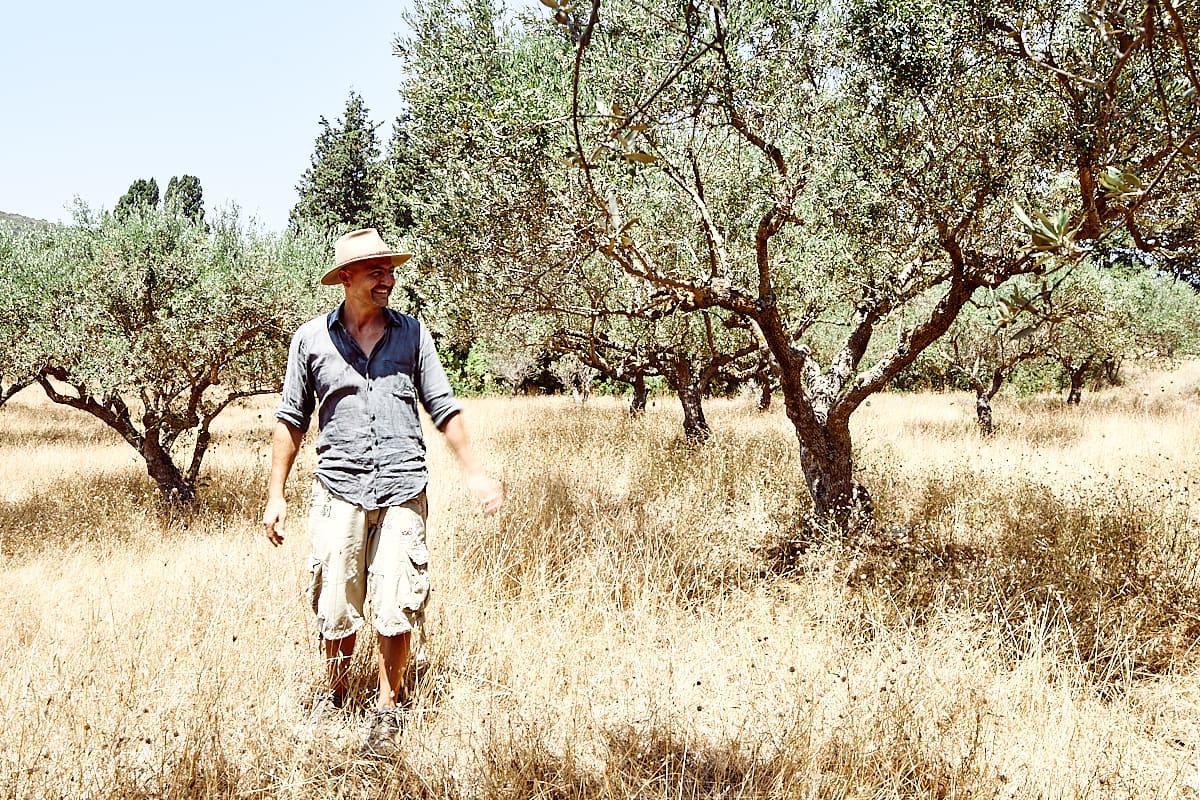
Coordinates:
<point>391,315</point>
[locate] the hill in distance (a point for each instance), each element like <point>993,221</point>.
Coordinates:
<point>21,221</point>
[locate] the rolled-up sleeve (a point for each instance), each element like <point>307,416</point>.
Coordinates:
<point>433,386</point>
<point>299,400</point>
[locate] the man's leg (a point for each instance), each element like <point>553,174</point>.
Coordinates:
<point>337,534</point>
<point>384,724</point>
<point>337,665</point>
<point>397,557</point>
<point>393,658</point>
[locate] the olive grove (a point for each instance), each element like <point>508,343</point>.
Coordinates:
<point>154,322</point>
<point>866,168</point>
<point>503,224</point>
<point>1089,321</point>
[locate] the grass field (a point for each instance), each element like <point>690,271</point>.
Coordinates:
<point>643,619</point>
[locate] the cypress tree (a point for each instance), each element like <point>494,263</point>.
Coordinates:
<point>186,197</point>
<point>141,196</point>
<point>338,190</point>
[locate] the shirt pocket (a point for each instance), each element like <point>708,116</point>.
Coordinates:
<point>396,414</point>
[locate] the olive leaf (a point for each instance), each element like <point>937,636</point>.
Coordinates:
<point>1046,233</point>
<point>1120,184</point>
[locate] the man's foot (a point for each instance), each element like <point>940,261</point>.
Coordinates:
<point>383,726</point>
<point>324,715</point>
<point>327,707</point>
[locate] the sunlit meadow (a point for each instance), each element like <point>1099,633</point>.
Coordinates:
<point>643,619</point>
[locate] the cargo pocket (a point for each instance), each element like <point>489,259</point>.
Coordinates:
<point>320,504</point>
<point>417,568</point>
<point>315,581</point>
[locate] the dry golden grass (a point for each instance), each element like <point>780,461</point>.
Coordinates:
<point>642,620</point>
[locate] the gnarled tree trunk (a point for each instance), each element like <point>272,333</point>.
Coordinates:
<point>983,413</point>
<point>983,399</point>
<point>695,426</point>
<point>1076,374</point>
<point>826,451</point>
<point>172,484</point>
<point>640,393</point>
<point>827,460</point>
<point>159,430</point>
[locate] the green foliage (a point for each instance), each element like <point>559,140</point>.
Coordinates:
<point>1047,233</point>
<point>907,42</point>
<point>487,100</point>
<point>454,361</point>
<point>1088,319</point>
<point>141,196</point>
<point>22,288</point>
<point>338,190</point>
<point>1035,377</point>
<point>468,369</point>
<point>397,191</point>
<point>185,197</point>
<point>504,224</point>
<point>662,186</point>
<point>867,167</point>
<point>154,323</point>
<point>928,373</point>
<point>1108,310</point>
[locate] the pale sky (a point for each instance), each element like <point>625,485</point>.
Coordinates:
<point>96,94</point>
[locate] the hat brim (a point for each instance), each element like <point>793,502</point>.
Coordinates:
<point>330,278</point>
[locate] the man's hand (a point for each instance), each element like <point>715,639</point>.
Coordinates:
<point>285,443</point>
<point>488,491</point>
<point>273,519</point>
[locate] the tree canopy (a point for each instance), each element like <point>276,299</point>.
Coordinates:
<point>155,323</point>
<point>185,196</point>
<point>338,190</point>
<point>141,195</point>
<point>866,168</point>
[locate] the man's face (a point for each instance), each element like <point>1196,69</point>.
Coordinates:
<point>369,283</point>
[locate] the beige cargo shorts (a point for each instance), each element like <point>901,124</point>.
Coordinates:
<point>367,559</point>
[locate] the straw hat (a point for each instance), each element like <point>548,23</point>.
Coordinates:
<point>362,245</point>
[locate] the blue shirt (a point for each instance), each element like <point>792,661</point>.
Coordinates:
<point>370,450</point>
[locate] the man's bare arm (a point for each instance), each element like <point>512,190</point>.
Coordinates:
<point>285,444</point>
<point>486,489</point>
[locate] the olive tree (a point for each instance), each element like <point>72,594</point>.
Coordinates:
<point>1106,313</point>
<point>868,165</point>
<point>692,353</point>
<point>508,224</point>
<point>154,324</point>
<point>575,376</point>
<point>984,348</point>
<point>21,292</point>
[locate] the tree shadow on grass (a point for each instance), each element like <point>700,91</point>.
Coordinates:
<point>1105,579</point>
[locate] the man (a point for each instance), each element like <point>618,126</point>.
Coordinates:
<point>364,367</point>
